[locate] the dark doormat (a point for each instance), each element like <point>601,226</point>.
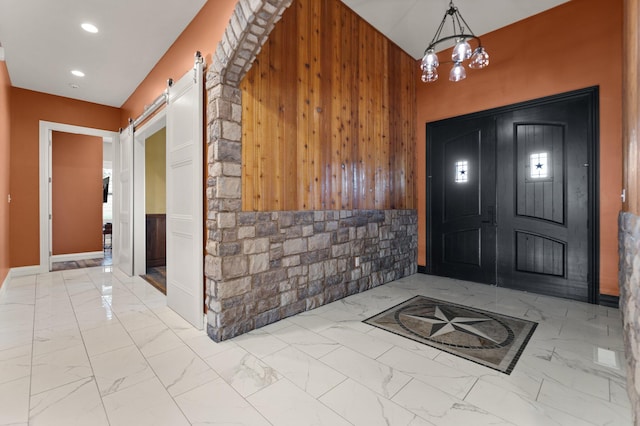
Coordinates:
<point>493,340</point>
<point>157,277</point>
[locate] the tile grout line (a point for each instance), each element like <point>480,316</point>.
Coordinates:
<point>33,337</point>
<point>93,373</point>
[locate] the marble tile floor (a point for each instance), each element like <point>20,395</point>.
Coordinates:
<point>85,347</point>
<point>86,263</point>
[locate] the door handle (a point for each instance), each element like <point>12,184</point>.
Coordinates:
<point>492,216</point>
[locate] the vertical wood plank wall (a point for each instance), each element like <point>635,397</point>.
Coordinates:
<point>630,110</point>
<point>328,118</point>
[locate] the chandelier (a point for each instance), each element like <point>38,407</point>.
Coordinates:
<point>479,58</point>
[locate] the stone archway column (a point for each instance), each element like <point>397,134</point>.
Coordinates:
<point>249,27</point>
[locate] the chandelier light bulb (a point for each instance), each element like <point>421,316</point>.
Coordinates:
<point>462,51</point>
<point>480,58</point>
<point>430,60</point>
<point>429,76</point>
<point>457,72</point>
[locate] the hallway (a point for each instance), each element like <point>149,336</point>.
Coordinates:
<point>83,347</point>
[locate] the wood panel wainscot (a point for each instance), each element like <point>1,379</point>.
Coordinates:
<point>328,119</point>
<point>156,230</point>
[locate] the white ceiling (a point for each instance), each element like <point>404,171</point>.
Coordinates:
<point>43,41</point>
<point>411,24</point>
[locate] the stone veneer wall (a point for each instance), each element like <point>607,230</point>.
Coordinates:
<point>629,242</point>
<point>264,266</point>
<point>270,265</point>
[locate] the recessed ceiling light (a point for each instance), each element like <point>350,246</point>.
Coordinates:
<point>77,73</point>
<point>90,28</point>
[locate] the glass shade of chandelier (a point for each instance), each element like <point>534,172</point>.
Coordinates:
<point>462,51</point>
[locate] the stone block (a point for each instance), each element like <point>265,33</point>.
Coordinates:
<point>314,256</point>
<point>291,232</point>
<point>295,246</point>
<point>319,241</point>
<point>236,113</point>
<point>275,251</point>
<point>265,290</point>
<point>267,317</point>
<point>245,232</point>
<point>226,220</point>
<point>229,151</point>
<point>290,261</point>
<point>228,249</point>
<point>231,131</point>
<point>316,271</point>
<point>288,297</point>
<point>307,230</point>
<point>257,245</point>
<point>330,267</point>
<point>229,187</point>
<point>267,304</point>
<point>287,285</point>
<point>314,288</point>
<point>339,250</point>
<point>340,236</point>
<point>212,267</point>
<point>314,302</point>
<point>331,294</point>
<point>229,235</point>
<point>333,280</point>
<point>266,229</point>
<point>292,309</point>
<point>232,288</point>
<point>269,278</point>
<point>297,271</point>
<point>246,218</point>
<point>258,263</point>
<point>232,169</point>
<point>233,267</point>
<point>361,232</point>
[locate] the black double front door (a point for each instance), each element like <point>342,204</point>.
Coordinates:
<point>511,196</point>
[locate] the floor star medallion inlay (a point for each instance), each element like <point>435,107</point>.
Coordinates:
<point>490,339</point>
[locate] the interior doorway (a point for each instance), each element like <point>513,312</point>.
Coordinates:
<point>156,210</point>
<point>87,256</point>
<point>513,198</point>
<point>149,203</point>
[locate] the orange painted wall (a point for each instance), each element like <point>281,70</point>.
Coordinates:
<point>76,171</point>
<point>572,46</point>
<point>5,90</point>
<point>27,109</point>
<point>203,33</point>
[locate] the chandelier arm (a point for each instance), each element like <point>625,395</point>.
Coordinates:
<point>438,32</point>
<point>466,25</point>
<point>456,19</point>
<point>456,36</point>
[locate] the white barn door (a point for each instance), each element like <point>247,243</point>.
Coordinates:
<point>123,228</point>
<point>185,225</point>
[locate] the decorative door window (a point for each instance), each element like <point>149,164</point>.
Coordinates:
<point>539,166</point>
<point>462,171</point>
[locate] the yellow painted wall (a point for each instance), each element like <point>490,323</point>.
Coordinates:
<point>155,148</point>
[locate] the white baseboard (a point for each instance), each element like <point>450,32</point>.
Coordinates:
<point>77,256</point>
<point>23,271</point>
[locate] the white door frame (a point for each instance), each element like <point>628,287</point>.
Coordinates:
<point>46,127</point>
<point>157,122</point>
